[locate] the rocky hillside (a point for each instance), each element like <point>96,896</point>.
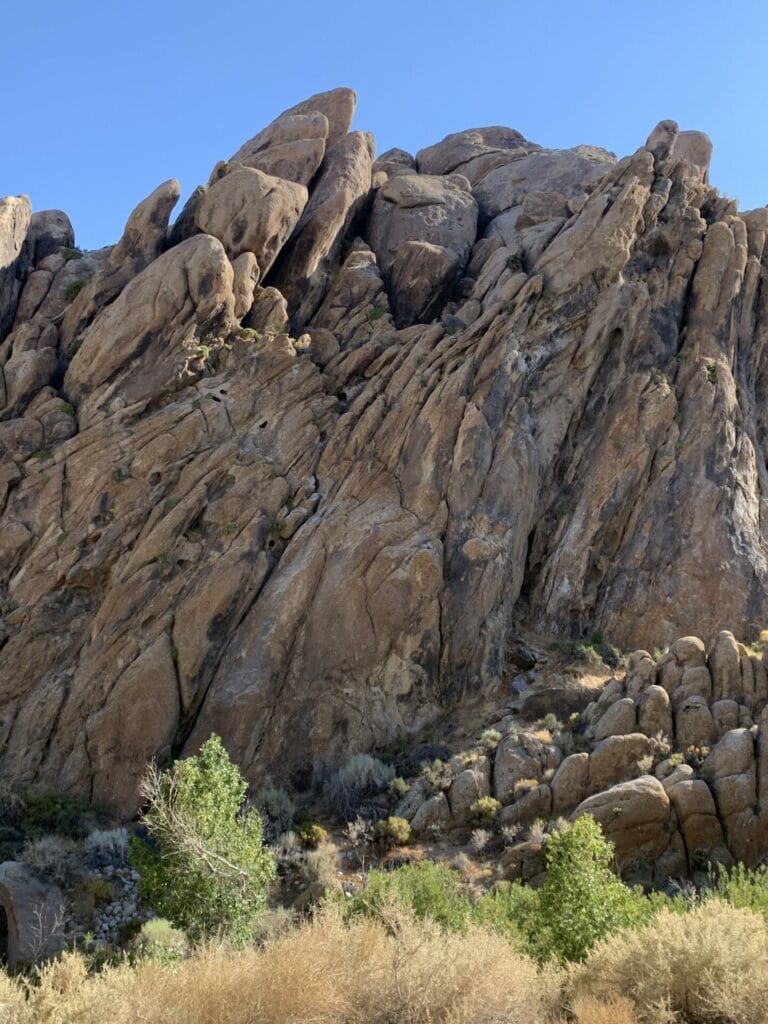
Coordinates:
<point>300,466</point>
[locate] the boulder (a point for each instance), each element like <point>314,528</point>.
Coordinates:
<point>434,814</point>
<point>619,719</point>
<point>570,784</point>
<point>634,815</point>
<point>421,226</point>
<point>615,760</point>
<point>33,910</point>
<point>654,712</point>
<point>249,211</point>
<point>149,339</point>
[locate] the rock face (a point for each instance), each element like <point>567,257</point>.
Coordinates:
<point>529,390</point>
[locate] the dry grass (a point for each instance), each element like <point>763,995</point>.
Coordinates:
<point>615,1011</point>
<point>708,966</point>
<point>321,973</point>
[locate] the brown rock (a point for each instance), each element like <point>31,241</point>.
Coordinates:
<point>249,211</point>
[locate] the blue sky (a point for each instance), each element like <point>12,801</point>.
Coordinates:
<point>103,101</point>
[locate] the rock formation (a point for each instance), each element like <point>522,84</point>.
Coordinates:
<point>298,468</point>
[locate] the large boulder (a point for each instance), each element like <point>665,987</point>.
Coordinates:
<point>422,228</point>
<point>635,816</point>
<point>249,211</point>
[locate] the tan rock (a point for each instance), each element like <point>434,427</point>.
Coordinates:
<point>654,712</point>
<point>615,760</point>
<point>618,720</point>
<point>434,813</point>
<point>634,815</point>
<point>249,211</point>
<point>15,215</point>
<point>570,784</point>
<point>150,338</point>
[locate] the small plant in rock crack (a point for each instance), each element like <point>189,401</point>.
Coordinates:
<point>711,371</point>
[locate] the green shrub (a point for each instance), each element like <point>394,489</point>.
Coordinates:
<point>397,788</point>
<point>348,789</point>
<point>743,888</point>
<point>427,889</point>
<point>392,832</point>
<point>101,889</point>
<point>73,289</point>
<point>70,252</point>
<point>158,940</point>
<point>277,810</point>
<point>582,900</point>
<point>208,869</point>
<point>43,811</point>
<point>310,834</point>
<point>485,811</point>
<point>511,909</point>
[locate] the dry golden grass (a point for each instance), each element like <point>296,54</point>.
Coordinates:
<point>708,966</point>
<point>617,1010</point>
<point>321,973</point>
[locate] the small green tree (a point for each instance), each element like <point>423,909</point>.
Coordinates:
<point>582,899</point>
<point>206,868</point>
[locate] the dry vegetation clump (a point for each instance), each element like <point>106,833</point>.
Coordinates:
<point>393,968</point>
<point>707,966</point>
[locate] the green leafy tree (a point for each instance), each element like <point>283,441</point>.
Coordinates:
<point>582,899</point>
<point>206,868</point>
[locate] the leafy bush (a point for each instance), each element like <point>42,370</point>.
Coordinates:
<point>101,889</point>
<point>426,889</point>
<point>582,900</point>
<point>348,789</point>
<point>741,887</point>
<point>392,831</point>
<point>43,812</point>
<point>208,868</point>
<point>485,811</point>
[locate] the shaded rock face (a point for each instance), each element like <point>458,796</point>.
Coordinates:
<point>526,387</point>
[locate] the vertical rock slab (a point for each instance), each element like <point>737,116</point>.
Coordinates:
<point>15,215</point>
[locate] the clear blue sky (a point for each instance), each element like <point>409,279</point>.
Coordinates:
<point>102,101</point>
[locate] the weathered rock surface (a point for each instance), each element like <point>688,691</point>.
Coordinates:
<point>529,392</point>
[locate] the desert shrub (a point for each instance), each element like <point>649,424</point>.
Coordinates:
<point>707,966</point>
<point>100,889</point>
<point>490,739</point>
<point>324,972</point>
<point>310,833</point>
<point>321,866</point>
<point>426,889</point>
<point>581,899</point>
<point>397,788</point>
<point>485,811</point>
<point>438,776</point>
<point>73,289</point>
<point>392,831</point>
<point>56,858</point>
<point>351,786</point>
<point>273,923</point>
<point>511,909</point>
<point>613,1010</point>
<point>158,940</point>
<point>44,811</point>
<point>741,887</point>
<point>102,848</point>
<point>277,810</point>
<point>208,868</point>
<point>479,840</point>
